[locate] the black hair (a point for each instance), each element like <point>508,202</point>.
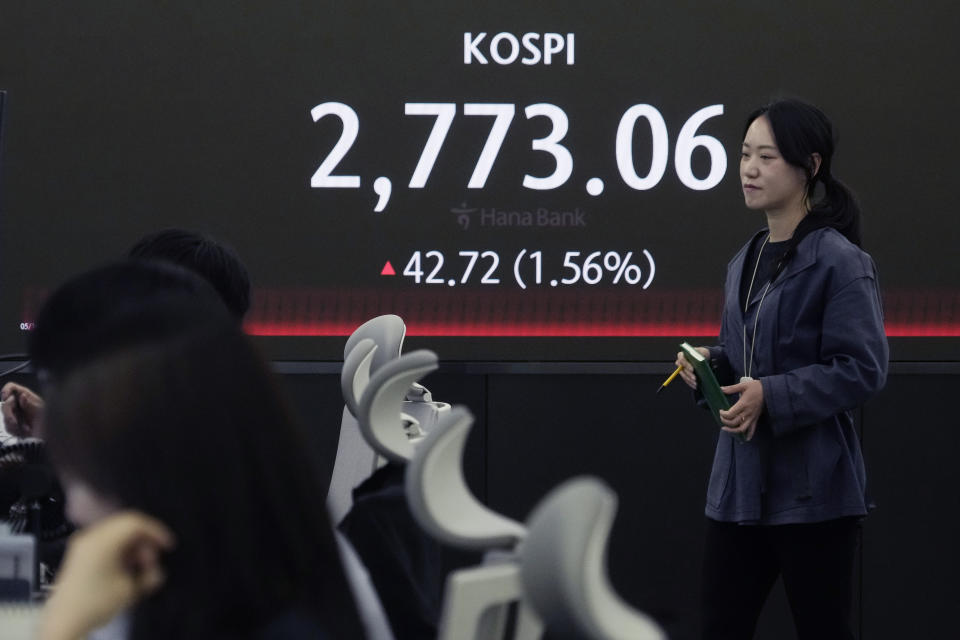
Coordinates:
<point>112,307</point>
<point>192,430</point>
<point>801,130</point>
<point>216,262</point>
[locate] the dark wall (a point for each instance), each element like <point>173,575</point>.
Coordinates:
<point>540,426</point>
<point>910,560</point>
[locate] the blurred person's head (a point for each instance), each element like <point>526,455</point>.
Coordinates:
<point>216,262</point>
<point>112,307</point>
<point>190,428</point>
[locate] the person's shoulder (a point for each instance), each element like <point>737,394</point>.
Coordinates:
<point>834,251</point>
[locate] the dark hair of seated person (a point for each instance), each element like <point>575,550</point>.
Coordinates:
<point>111,307</point>
<point>216,262</point>
<point>192,429</point>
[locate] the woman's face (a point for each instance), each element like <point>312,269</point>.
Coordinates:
<point>769,182</point>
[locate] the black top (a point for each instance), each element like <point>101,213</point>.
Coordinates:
<point>769,256</point>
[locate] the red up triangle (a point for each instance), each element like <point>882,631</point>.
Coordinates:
<point>387,269</point>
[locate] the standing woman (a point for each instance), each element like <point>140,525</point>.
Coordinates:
<point>802,343</point>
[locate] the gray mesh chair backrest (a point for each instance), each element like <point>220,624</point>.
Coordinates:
<point>355,375</point>
<point>439,497</point>
<point>564,570</point>
<point>380,409</point>
<point>386,331</point>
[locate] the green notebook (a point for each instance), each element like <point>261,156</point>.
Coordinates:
<point>709,386</point>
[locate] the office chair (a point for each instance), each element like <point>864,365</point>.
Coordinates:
<point>355,375</point>
<point>356,459</point>
<point>476,599</point>
<point>406,566</point>
<point>373,344</point>
<point>387,332</point>
<point>563,566</point>
<point>380,412</point>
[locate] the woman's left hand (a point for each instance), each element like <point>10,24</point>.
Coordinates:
<point>108,566</point>
<point>741,419</point>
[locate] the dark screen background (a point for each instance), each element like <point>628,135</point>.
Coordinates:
<point>126,117</point>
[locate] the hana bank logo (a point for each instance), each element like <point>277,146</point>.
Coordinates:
<point>463,214</point>
<point>493,217</point>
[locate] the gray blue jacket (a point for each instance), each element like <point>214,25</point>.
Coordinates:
<point>820,352</point>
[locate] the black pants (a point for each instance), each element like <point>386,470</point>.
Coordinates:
<point>742,562</point>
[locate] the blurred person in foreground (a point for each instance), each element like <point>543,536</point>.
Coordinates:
<point>199,503</point>
<point>213,261</point>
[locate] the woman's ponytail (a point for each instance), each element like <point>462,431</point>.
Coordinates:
<point>838,208</point>
<point>803,131</point>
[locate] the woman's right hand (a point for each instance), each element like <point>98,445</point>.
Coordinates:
<point>22,411</point>
<point>108,567</point>
<point>686,369</point>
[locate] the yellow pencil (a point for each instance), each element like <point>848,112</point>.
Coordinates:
<point>670,379</point>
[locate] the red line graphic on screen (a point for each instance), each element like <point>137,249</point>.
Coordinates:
<point>593,313</point>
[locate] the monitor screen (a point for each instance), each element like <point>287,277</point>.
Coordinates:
<point>518,181</point>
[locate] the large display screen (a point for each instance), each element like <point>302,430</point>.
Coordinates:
<point>528,181</point>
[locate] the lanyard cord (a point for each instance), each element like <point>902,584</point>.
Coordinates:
<point>748,365</point>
